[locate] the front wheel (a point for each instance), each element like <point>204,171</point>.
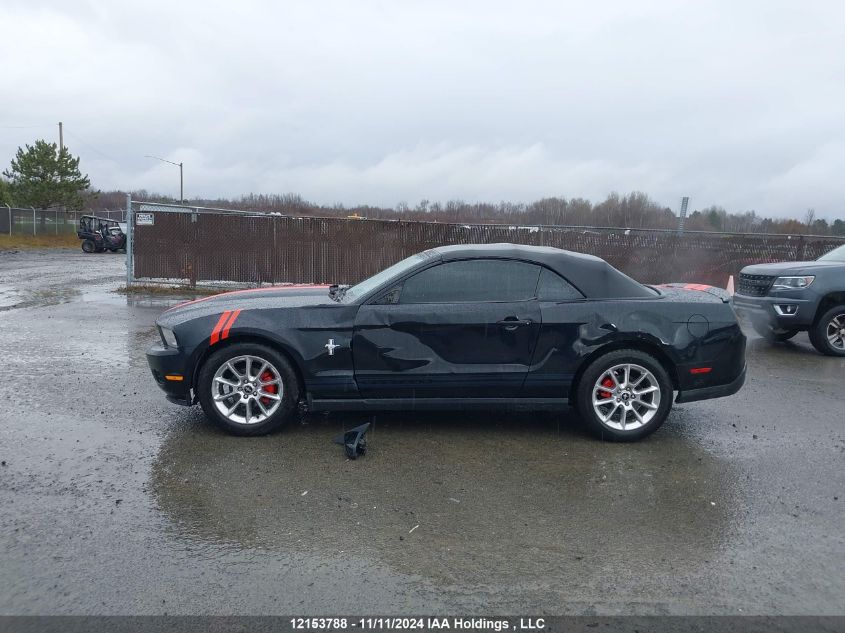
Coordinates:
<point>248,389</point>
<point>624,395</point>
<point>828,334</point>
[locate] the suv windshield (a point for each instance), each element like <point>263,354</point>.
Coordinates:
<point>362,288</point>
<point>836,255</point>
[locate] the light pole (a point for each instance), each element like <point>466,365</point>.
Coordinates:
<point>181,181</point>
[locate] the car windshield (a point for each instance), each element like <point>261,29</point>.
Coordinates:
<point>836,255</point>
<point>362,288</point>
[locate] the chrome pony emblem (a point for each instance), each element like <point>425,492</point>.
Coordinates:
<point>331,346</point>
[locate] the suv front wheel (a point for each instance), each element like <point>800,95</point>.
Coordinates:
<point>828,333</point>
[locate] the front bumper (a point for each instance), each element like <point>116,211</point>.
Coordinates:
<point>764,310</point>
<point>167,365</point>
<point>716,391</point>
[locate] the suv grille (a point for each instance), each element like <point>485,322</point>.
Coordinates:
<point>754,285</point>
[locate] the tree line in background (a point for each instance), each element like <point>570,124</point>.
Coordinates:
<point>634,210</point>
<point>43,176</point>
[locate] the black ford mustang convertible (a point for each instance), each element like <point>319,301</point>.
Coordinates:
<point>456,327</point>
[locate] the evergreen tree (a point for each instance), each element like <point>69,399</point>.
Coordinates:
<point>5,192</point>
<point>41,176</point>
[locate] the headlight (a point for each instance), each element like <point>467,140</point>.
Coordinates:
<point>791,283</point>
<point>168,337</point>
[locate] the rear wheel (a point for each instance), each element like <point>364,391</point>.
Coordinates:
<point>624,395</point>
<point>88,246</point>
<point>772,334</point>
<point>828,334</point>
<point>248,389</point>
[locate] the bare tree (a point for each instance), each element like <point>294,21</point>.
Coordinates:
<point>810,217</point>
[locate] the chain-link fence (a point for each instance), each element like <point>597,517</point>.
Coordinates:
<point>38,222</point>
<point>190,245</point>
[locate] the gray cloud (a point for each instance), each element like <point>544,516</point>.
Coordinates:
<point>738,104</point>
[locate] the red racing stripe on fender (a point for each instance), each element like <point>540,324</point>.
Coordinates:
<point>215,333</point>
<point>229,324</point>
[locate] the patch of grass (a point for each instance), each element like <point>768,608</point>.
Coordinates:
<point>20,242</point>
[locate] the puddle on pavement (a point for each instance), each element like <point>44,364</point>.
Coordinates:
<point>155,302</point>
<point>11,297</point>
<point>17,298</point>
<point>110,296</point>
<point>795,359</point>
<point>103,294</point>
<point>494,499</point>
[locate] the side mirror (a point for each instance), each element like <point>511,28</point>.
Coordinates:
<point>354,441</point>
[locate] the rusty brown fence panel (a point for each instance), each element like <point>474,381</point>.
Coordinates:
<point>161,251</point>
<point>195,245</point>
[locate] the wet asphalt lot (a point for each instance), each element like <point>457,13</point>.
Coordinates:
<point>117,502</point>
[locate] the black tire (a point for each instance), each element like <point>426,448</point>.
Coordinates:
<point>824,326</point>
<point>289,395</point>
<point>88,246</point>
<point>771,334</point>
<point>589,383</point>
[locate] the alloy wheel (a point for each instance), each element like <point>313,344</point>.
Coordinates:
<point>626,397</point>
<point>836,332</point>
<point>247,389</point>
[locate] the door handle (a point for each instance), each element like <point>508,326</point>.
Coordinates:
<point>510,324</point>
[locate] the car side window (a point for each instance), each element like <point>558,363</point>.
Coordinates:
<point>553,287</point>
<point>472,280</point>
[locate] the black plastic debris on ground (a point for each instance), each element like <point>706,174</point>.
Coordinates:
<point>354,441</point>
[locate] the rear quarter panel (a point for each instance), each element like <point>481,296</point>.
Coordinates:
<point>685,333</point>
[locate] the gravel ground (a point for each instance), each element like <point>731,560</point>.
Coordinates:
<point>117,502</point>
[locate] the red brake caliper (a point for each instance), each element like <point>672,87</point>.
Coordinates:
<point>269,388</point>
<point>607,382</point>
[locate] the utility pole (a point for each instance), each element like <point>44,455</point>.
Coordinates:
<point>61,149</point>
<point>682,217</point>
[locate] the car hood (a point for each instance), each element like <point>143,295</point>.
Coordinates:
<point>790,268</point>
<point>293,296</point>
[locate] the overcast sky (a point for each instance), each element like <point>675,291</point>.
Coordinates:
<point>740,104</point>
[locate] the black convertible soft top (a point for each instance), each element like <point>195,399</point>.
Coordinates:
<point>593,276</point>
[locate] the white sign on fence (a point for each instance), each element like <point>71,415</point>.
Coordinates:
<point>144,219</point>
